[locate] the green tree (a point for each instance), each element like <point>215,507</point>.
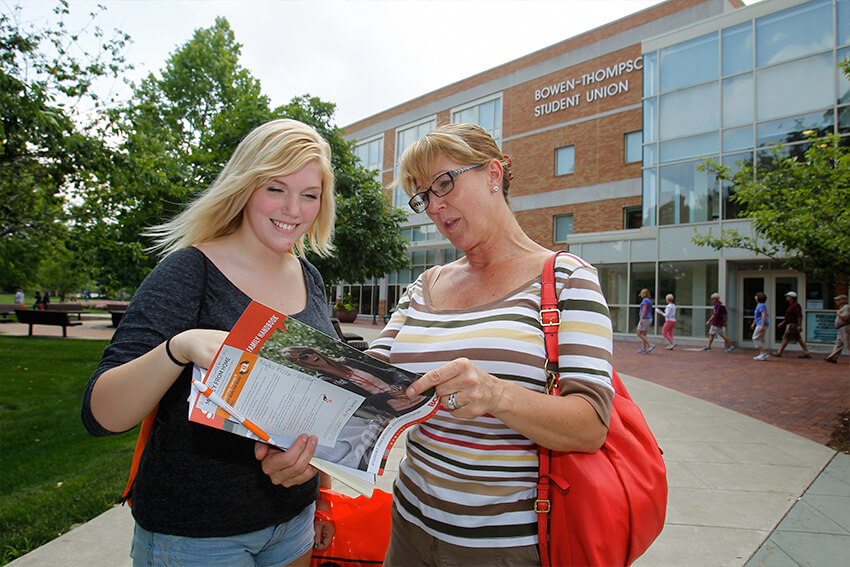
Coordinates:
<point>61,271</point>
<point>178,130</point>
<point>50,153</point>
<point>799,206</point>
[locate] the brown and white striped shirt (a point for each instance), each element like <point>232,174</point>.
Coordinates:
<point>471,482</point>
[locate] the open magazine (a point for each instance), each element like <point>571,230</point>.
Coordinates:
<point>275,378</point>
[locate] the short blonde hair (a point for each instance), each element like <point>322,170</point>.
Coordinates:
<point>465,144</point>
<point>645,293</point>
<point>276,148</point>
<point>669,297</point>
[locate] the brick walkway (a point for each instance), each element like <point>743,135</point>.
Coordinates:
<point>804,396</point>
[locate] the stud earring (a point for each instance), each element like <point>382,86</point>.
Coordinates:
<point>495,188</point>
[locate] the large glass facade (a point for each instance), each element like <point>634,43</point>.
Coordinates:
<point>720,96</point>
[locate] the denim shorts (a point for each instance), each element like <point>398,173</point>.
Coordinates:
<point>276,545</point>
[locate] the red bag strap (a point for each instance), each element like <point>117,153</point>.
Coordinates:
<point>144,433</point>
<point>550,320</point>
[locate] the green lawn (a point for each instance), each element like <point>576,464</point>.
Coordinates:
<point>53,475</point>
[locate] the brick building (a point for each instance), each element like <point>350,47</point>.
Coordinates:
<point>604,130</point>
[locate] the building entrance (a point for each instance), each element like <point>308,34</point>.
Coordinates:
<point>775,285</point>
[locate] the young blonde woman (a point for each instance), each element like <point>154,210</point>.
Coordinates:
<point>203,496</point>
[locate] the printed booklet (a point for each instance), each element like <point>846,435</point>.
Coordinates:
<point>275,378</point>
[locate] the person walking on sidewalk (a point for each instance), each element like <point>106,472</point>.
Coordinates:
<point>842,325</point>
<point>793,324</point>
<point>669,322</point>
<point>759,326</point>
<point>717,324</point>
<point>645,320</point>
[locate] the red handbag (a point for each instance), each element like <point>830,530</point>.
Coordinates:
<point>362,531</point>
<point>603,508</point>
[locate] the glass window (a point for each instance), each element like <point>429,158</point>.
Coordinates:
<point>650,120</point>
<point>731,209</point>
<point>632,217</point>
<point>633,144</point>
<point>738,138</point>
<point>650,74</point>
<point>371,153</point>
<point>691,283</point>
<point>563,227</point>
<point>843,81</point>
<point>844,121</point>
<point>689,111</point>
<point>692,147</point>
<point>565,160</point>
<point>737,48</point>
<point>687,195</point>
<point>487,114</point>
<point>794,128</point>
<point>737,99</point>
<point>650,154</point>
<point>650,179</point>
<point>612,280</point>
<point>688,63</point>
<point>405,137</point>
<point>843,12</point>
<point>793,33</point>
<point>776,94</point>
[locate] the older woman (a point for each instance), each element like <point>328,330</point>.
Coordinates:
<point>466,489</point>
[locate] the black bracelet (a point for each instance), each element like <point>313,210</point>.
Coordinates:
<point>171,356</point>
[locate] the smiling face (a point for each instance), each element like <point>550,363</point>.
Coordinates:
<point>283,208</point>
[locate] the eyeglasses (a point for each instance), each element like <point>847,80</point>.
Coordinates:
<point>441,186</point>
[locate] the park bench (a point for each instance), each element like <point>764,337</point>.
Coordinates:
<point>35,317</point>
<point>116,310</point>
<point>350,339</point>
<point>70,308</point>
<point>7,309</point>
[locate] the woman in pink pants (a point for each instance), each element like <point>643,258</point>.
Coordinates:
<point>669,322</point>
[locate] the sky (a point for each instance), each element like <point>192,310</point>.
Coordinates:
<point>364,55</point>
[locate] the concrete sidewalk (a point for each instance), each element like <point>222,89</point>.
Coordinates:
<point>742,491</point>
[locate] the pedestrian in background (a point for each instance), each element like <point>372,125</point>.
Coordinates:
<point>645,320</point>
<point>19,298</point>
<point>842,325</point>
<point>669,322</point>
<point>793,324</point>
<point>717,324</point>
<point>759,326</point>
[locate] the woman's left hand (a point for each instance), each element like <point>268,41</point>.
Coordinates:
<point>324,534</point>
<point>476,392</point>
<point>290,467</point>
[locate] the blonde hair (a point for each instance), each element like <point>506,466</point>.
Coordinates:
<point>276,148</point>
<point>466,144</point>
<point>645,293</point>
<point>669,297</point>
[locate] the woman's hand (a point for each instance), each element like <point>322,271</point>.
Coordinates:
<point>290,467</point>
<point>197,345</point>
<point>476,392</point>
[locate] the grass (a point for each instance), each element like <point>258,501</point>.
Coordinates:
<point>53,475</point>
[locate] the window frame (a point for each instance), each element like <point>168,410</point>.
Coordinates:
<point>557,150</point>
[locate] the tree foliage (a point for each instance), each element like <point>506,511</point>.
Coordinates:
<point>799,206</point>
<point>50,152</point>
<point>178,131</point>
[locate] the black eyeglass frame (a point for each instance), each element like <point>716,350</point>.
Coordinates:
<point>420,201</point>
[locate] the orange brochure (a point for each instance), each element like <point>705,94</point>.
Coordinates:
<point>285,378</point>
